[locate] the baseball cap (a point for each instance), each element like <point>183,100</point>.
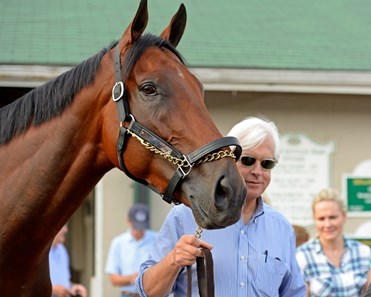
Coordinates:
<point>139,216</point>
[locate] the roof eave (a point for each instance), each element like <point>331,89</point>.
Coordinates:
<point>224,79</point>
<point>292,81</point>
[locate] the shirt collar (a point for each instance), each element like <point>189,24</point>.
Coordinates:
<point>259,210</point>
<point>133,239</point>
<point>318,247</point>
<point>253,220</point>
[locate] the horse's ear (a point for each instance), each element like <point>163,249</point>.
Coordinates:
<point>175,29</point>
<point>137,26</point>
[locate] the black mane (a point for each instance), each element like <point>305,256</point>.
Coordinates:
<point>50,99</point>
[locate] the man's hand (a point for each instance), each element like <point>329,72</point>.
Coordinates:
<point>133,277</point>
<point>60,291</point>
<point>78,290</point>
<point>188,249</point>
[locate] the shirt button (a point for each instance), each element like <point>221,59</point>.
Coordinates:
<point>242,258</point>
<point>242,231</point>
<point>242,284</point>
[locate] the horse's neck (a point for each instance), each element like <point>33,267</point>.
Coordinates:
<point>50,169</point>
<point>52,151</point>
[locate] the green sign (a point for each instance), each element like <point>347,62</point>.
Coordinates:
<point>366,241</point>
<point>359,194</point>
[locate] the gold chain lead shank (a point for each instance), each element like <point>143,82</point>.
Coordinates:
<point>198,232</point>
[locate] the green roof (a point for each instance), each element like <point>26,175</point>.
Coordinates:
<point>295,34</point>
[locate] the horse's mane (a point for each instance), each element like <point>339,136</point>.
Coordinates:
<point>50,99</point>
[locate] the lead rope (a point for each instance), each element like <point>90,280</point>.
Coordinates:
<point>205,272</point>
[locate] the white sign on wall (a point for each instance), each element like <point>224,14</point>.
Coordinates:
<point>303,170</point>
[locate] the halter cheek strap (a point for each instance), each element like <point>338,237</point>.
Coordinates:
<point>153,142</point>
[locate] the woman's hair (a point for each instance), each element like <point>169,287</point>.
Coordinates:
<point>329,194</point>
<point>253,131</point>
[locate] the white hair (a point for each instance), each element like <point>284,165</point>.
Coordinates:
<point>252,131</point>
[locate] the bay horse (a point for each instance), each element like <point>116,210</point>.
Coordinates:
<point>135,106</point>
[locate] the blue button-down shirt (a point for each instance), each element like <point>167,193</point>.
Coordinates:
<point>59,266</point>
<point>126,254</point>
<point>253,259</point>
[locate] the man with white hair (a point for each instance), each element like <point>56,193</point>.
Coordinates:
<point>253,257</point>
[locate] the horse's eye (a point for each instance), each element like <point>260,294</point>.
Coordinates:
<point>148,89</point>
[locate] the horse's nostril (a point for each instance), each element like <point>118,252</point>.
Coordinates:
<point>222,193</point>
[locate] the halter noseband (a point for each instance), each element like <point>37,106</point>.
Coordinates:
<point>156,144</point>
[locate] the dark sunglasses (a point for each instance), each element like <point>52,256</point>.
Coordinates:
<point>249,161</point>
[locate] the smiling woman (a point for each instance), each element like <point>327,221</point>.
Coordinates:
<point>333,265</point>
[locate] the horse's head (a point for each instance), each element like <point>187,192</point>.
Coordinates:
<point>167,138</point>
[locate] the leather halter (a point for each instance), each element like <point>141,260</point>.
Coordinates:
<point>148,138</point>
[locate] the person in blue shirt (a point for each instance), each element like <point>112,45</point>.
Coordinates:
<point>59,267</point>
<point>253,257</point>
<point>129,249</point>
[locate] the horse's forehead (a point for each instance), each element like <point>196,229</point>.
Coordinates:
<point>177,86</point>
<point>160,62</point>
